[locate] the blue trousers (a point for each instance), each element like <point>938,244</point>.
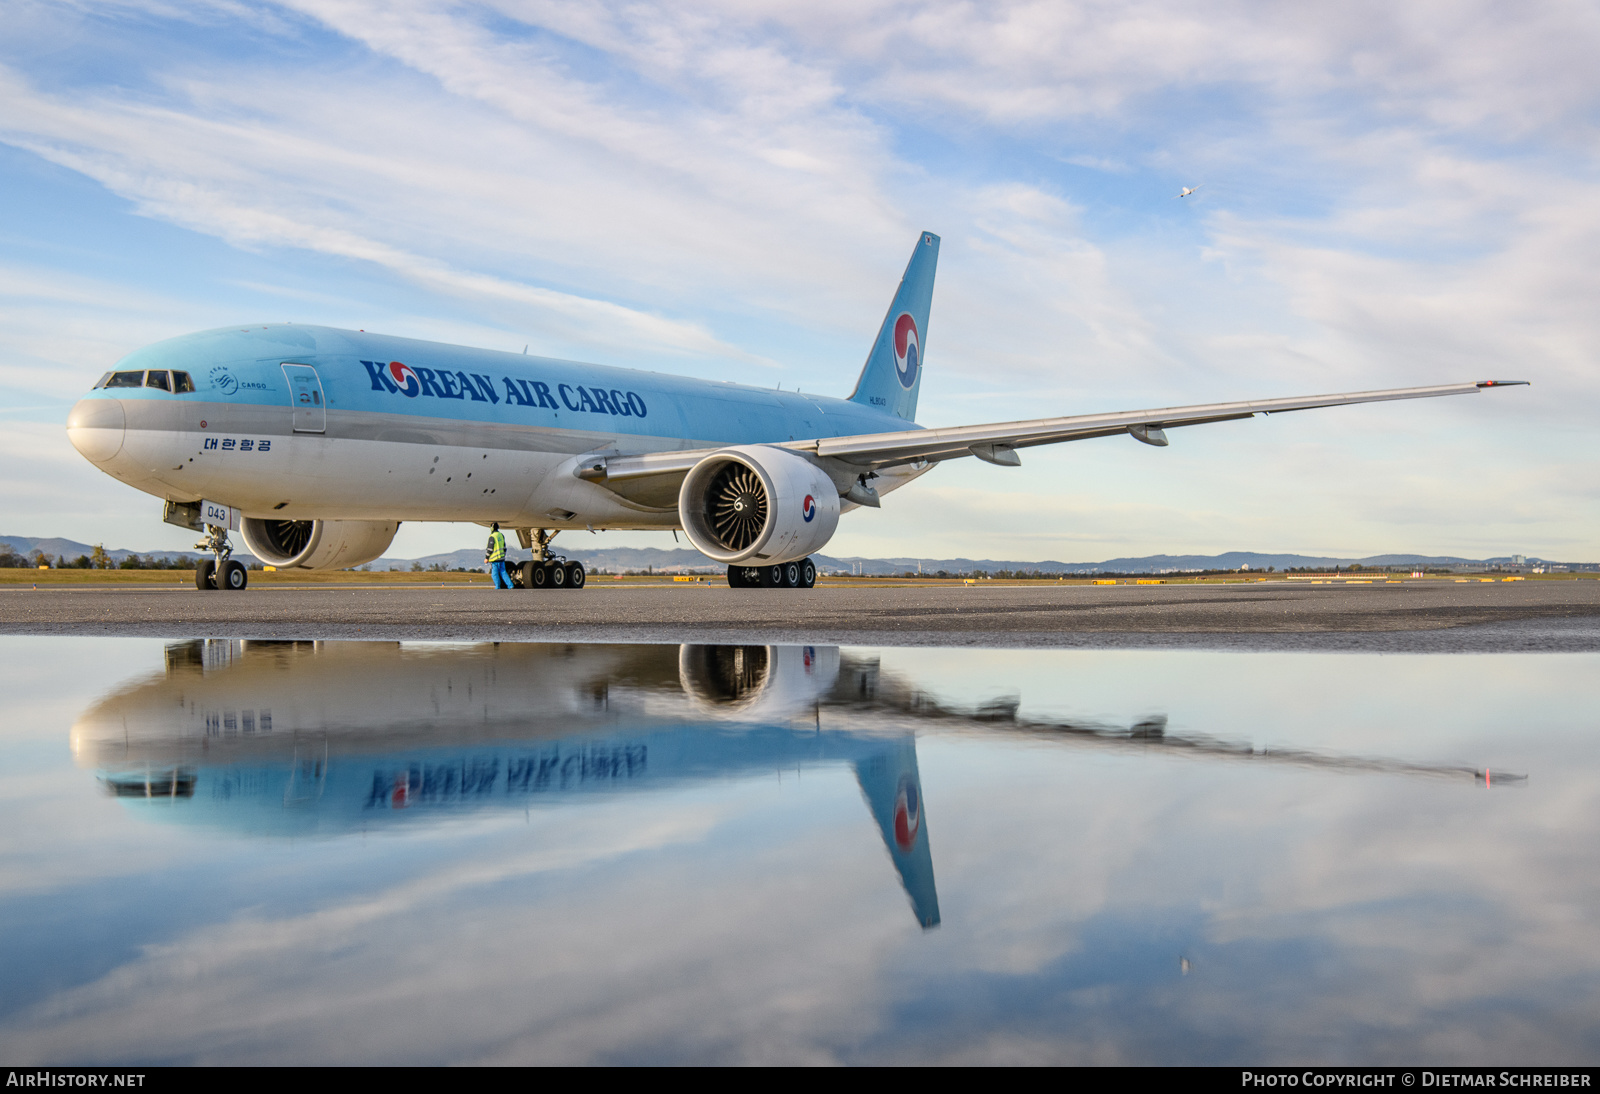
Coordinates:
<point>502,580</point>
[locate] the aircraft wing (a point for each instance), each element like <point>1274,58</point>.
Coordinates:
<point>995,442</point>
<point>992,442</point>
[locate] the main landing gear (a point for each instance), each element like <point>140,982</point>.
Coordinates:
<point>785,575</point>
<point>551,573</point>
<point>544,570</point>
<point>219,571</point>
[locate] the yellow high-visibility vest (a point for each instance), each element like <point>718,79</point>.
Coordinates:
<point>497,546</point>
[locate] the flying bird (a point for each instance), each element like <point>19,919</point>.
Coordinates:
<point>1187,190</point>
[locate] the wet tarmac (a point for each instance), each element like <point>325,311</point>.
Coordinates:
<point>1420,616</point>
<point>215,851</point>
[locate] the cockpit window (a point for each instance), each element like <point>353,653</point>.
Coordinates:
<point>126,379</point>
<point>101,382</point>
<point>181,384</point>
<point>158,377</point>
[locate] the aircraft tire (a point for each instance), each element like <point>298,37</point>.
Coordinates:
<point>532,575</point>
<point>791,575</point>
<point>772,577</point>
<point>558,575</point>
<point>576,575</point>
<point>808,573</point>
<point>233,577</point>
<point>205,574</point>
<point>739,577</point>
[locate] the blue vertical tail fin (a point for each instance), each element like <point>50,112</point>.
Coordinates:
<point>893,373</point>
<point>893,789</point>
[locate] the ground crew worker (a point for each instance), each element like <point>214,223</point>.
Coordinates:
<point>495,556</point>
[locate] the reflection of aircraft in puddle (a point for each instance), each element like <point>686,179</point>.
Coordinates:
<point>303,738</point>
<point>292,738</point>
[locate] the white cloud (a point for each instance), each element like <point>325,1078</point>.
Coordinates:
<point>1390,196</point>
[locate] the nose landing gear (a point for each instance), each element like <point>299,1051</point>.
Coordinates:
<point>220,571</point>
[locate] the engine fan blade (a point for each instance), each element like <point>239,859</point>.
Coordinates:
<point>738,508</point>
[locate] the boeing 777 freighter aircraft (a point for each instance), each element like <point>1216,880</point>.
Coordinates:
<point>316,443</point>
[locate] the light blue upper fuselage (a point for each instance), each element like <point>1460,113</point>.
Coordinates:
<point>242,366</point>
<point>294,423</point>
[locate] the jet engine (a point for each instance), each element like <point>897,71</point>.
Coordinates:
<point>317,544</point>
<point>757,681</point>
<point>758,504</point>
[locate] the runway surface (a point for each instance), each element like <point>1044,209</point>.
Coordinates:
<point>1414,616</point>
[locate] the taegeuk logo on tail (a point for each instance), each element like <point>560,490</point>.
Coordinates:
<point>907,350</point>
<point>907,813</point>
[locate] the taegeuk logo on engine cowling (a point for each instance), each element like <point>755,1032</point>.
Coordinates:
<point>907,350</point>
<point>808,508</point>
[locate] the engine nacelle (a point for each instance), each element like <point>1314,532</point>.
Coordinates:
<point>317,544</point>
<point>757,504</point>
<point>752,682</point>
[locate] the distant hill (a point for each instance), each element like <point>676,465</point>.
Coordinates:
<point>685,559</point>
<point>56,547</point>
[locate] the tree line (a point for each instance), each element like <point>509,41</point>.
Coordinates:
<point>99,559</point>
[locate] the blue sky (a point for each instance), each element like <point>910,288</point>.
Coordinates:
<point>1387,197</point>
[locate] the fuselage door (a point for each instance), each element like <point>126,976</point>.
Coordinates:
<point>305,395</point>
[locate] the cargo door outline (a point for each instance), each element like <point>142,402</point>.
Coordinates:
<point>305,396</point>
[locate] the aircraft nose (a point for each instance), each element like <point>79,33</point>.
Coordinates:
<point>95,428</point>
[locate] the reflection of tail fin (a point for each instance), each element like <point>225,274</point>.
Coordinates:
<point>893,790</point>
